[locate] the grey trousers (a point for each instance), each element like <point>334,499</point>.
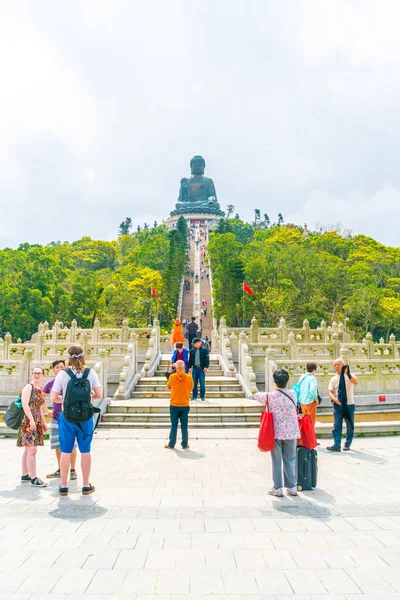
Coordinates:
<point>284,451</point>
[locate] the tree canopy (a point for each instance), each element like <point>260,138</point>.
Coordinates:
<point>89,278</point>
<point>318,276</point>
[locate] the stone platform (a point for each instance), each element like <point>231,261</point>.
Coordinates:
<point>199,524</point>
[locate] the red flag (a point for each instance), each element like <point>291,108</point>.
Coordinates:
<point>247,288</point>
<point>154,293</point>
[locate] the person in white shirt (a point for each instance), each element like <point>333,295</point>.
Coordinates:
<point>342,409</point>
<point>81,432</point>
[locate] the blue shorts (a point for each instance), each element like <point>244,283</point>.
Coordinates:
<point>69,432</point>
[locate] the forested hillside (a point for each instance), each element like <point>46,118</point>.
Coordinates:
<point>88,278</point>
<point>321,276</point>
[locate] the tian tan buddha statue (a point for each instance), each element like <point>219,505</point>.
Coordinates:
<point>197,194</point>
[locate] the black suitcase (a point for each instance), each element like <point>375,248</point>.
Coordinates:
<point>306,469</point>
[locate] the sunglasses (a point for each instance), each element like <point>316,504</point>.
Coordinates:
<point>38,373</point>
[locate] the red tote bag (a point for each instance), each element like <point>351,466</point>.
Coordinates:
<point>307,433</point>
<point>266,436</point>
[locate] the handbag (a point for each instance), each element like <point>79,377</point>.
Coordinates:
<point>307,433</point>
<point>266,435</point>
<point>319,399</point>
<point>14,414</point>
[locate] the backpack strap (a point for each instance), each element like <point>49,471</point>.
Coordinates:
<point>70,373</point>
<point>85,373</point>
<point>90,435</point>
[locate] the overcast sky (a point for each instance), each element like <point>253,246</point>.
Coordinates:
<point>294,105</point>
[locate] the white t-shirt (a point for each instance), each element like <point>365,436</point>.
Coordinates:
<point>334,386</point>
<point>62,379</point>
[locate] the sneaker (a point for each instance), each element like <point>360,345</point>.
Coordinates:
<point>73,475</point>
<point>292,491</point>
<point>169,447</point>
<point>274,492</point>
<point>25,478</point>
<point>346,448</point>
<point>185,447</point>
<point>53,475</point>
<point>203,399</point>
<point>333,449</point>
<point>88,490</point>
<point>63,490</point>
<point>38,482</point>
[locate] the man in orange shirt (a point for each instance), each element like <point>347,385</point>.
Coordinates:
<point>181,385</point>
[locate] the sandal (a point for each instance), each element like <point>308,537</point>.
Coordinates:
<point>63,490</point>
<point>88,490</point>
<point>38,482</point>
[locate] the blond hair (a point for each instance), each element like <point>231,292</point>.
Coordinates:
<point>76,358</point>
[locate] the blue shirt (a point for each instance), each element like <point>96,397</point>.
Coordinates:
<point>308,388</point>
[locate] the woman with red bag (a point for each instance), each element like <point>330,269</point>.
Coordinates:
<point>282,403</point>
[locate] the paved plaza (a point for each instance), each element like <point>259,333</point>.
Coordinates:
<point>171,524</point>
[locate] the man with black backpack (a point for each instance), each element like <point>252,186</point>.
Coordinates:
<point>78,386</point>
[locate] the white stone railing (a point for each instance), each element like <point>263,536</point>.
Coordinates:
<point>226,357</point>
<point>180,301</point>
<point>153,354</point>
<point>215,339</point>
<point>129,375</point>
<point>246,374</point>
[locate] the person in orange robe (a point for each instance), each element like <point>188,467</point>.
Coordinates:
<point>177,332</point>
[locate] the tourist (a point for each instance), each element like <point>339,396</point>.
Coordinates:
<point>57,365</point>
<point>177,332</point>
<point>307,392</point>
<point>71,432</point>
<point>199,362</point>
<point>192,329</point>
<point>180,384</point>
<point>341,393</point>
<point>180,353</point>
<point>282,403</point>
<point>32,428</point>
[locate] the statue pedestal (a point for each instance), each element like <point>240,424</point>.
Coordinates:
<point>203,219</point>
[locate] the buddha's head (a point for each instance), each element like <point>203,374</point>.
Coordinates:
<point>197,165</point>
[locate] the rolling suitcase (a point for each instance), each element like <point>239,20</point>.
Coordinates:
<point>306,468</point>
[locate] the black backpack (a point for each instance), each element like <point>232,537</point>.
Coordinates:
<point>77,403</point>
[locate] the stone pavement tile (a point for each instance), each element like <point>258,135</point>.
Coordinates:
<point>67,526</point>
<point>12,579</point>
<point>339,539</point>
<point>291,525</point>
<point>41,581</point>
<point>150,541</point>
<point>101,559</point>
<point>107,582</point>
<point>141,525</point>
<point>16,596</point>
<point>220,559</point>
<point>17,540</point>
<point>192,525</point>
<point>116,525</point>
<point>391,576</point>
<point>68,541</point>
<point>161,559</point>
<point>72,560</point>
<point>337,559</point>
<point>131,559</point>
<point>362,523</point>
<point>370,581</point>
<point>273,582</point>
<point>305,581</point>
<point>96,541</point>
<point>139,582</point>
<point>259,541</point>
<point>123,541</point>
<point>40,596</point>
<point>204,541</point>
<point>339,524</point>
<point>92,526</point>
<point>366,559</point>
<point>376,539</point>
<point>249,559</point>
<point>42,559</point>
<point>190,559</point>
<point>386,523</point>
<point>207,581</point>
<point>240,582</point>
<point>241,525</point>
<point>12,559</point>
<point>173,582</point>
<point>390,556</point>
<point>279,559</point>
<point>74,581</point>
<point>177,541</point>
<point>216,526</point>
<point>166,526</point>
<point>309,560</point>
<point>314,524</point>
<point>285,541</point>
<point>229,541</point>
<point>266,525</point>
<point>338,581</point>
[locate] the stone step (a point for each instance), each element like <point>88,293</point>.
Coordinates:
<point>211,387</point>
<point>197,407</point>
<point>210,373</point>
<point>210,417</point>
<point>165,394</point>
<point>167,425</point>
